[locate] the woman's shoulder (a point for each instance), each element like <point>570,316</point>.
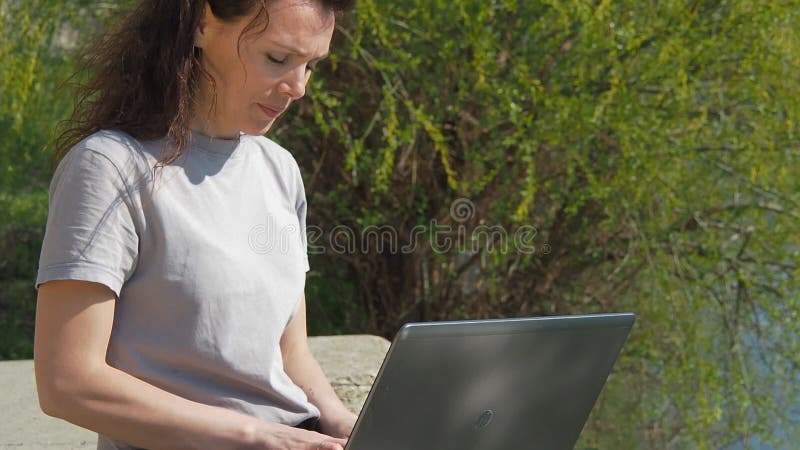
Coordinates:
<point>279,161</point>
<point>112,151</point>
<point>270,147</point>
<point>116,145</point>
<point>109,137</point>
<point>274,152</point>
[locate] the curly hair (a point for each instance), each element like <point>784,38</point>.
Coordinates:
<point>143,73</point>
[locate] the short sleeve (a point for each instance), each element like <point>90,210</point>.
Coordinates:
<point>301,208</point>
<point>90,232</point>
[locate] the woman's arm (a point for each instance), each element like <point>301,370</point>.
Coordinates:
<point>74,382</point>
<point>303,369</point>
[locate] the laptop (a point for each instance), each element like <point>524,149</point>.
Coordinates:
<point>499,384</point>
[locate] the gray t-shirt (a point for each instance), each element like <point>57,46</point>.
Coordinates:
<point>207,257</point>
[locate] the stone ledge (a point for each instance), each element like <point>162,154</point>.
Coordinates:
<point>350,362</point>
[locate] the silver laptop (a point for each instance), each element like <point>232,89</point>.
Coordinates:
<point>505,384</point>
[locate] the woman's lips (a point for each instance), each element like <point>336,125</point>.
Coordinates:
<point>272,113</point>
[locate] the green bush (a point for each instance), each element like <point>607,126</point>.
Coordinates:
<point>30,105</point>
<point>38,40</point>
<point>649,149</point>
<point>652,146</point>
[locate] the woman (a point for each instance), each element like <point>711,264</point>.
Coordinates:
<point>170,311</point>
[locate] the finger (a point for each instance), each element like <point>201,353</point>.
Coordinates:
<point>335,444</point>
<point>334,440</point>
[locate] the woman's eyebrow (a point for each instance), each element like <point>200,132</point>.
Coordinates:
<point>299,52</point>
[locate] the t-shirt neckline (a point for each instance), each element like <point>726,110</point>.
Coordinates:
<point>222,146</point>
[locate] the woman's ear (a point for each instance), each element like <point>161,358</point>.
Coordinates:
<point>200,33</point>
<point>199,36</point>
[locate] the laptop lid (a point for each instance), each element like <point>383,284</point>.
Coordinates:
<point>526,383</point>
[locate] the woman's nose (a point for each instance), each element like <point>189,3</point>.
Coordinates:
<point>294,83</point>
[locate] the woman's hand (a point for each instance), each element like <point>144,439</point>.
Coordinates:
<point>340,424</point>
<point>284,437</point>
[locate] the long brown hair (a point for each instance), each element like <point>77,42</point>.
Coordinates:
<point>143,73</point>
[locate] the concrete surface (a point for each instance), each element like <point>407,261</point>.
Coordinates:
<point>351,363</point>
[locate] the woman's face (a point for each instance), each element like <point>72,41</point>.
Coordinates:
<point>256,84</point>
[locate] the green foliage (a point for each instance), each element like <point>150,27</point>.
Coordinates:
<point>37,44</point>
<point>23,170</point>
<point>653,146</point>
